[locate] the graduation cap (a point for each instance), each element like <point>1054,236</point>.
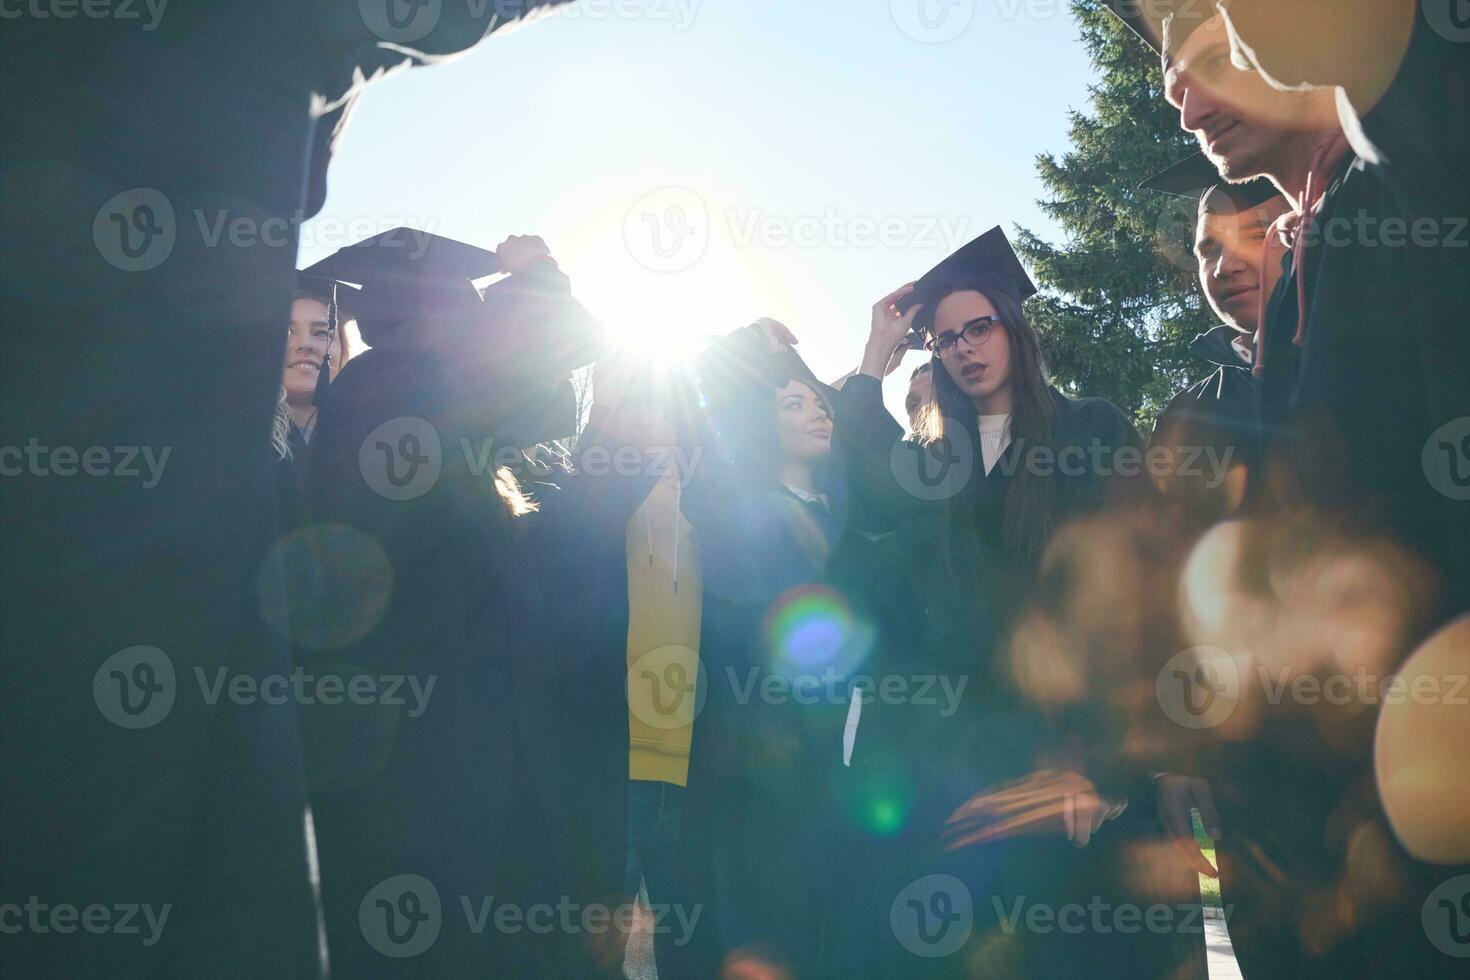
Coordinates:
<point>1161,26</point>
<point>787,366</point>
<point>987,262</point>
<point>406,274</point>
<point>1196,176</point>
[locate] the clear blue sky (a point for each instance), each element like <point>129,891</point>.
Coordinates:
<point>695,164</point>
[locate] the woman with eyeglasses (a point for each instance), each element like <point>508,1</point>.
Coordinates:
<point>1000,792</point>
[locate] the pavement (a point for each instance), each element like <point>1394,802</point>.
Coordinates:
<point>1221,953</point>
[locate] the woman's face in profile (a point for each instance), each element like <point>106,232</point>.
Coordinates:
<point>803,425</point>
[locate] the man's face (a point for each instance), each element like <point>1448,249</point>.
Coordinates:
<point>1229,246</point>
<point>1240,120</point>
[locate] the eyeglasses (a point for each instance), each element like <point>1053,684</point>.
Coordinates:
<point>976,332</point>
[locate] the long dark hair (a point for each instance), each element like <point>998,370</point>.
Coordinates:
<point>1030,500</point>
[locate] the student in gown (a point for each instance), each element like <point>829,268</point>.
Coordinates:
<point>414,547</point>
<point>1360,357</point>
<point>967,565</point>
<point>1218,412</point>
<point>767,509</point>
<point>316,349</point>
<point>130,126</point>
<point>619,560</point>
<point>920,394</point>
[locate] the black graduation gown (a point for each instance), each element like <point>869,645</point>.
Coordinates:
<point>210,106</point>
<point>578,547</point>
<point>917,763</point>
<point>778,634</point>
<point>1223,405</point>
<point>1351,417</point>
<point>291,480</point>
<point>753,848</point>
<point>429,584</point>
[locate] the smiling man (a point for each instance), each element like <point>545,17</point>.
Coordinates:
<point>1359,355</point>
<point>1234,221</point>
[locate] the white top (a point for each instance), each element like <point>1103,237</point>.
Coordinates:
<point>806,496</point>
<point>995,436</point>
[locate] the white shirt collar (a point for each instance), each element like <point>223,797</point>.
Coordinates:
<point>806,496</point>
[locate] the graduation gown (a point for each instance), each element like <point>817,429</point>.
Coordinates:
<point>753,848</point>
<point>1353,421</point>
<point>778,635</point>
<point>916,763</point>
<point>209,110</point>
<point>424,579</point>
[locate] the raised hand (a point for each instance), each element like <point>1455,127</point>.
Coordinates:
<point>777,334</point>
<point>519,252</point>
<point>890,329</point>
<point>1177,796</point>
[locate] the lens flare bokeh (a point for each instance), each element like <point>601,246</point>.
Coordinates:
<point>812,630</point>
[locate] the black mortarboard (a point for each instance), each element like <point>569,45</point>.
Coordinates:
<point>406,274</point>
<point>1163,24</point>
<point>1195,175</point>
<point>788,366</point>
<point>987,261</point>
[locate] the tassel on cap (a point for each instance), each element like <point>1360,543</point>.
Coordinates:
<point>324,376</point>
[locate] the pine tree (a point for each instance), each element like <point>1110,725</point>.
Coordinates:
<point>1120,300</point>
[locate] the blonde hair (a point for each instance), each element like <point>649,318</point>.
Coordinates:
<point>281,427</point>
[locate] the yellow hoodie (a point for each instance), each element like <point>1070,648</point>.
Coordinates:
<point>664,605</point>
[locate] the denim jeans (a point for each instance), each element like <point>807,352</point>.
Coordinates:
<point>654,811</point>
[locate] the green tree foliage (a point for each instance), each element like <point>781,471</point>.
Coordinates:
<point>1120,301</point>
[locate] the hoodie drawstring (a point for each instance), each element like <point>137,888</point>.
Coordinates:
<point>648,529</point>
